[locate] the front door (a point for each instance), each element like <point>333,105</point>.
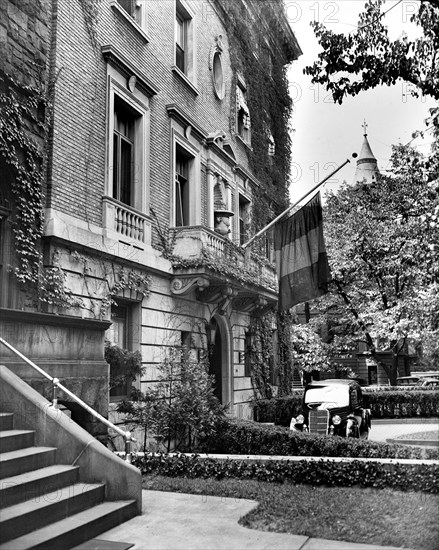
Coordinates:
<point>215,365</point>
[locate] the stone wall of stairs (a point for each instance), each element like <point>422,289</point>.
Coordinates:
<point>51,497</point>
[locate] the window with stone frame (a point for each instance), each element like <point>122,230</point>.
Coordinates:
<point>242,113</point>
<point>136,9</point>
<point>183,39</point>
<point>119,334</point>
<point>243,218</point>
<point>182,187</point>
<point>123,153</point>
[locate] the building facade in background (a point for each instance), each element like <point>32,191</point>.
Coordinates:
<point>164,132</point>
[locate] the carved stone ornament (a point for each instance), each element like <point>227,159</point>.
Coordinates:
<point>183,286</point>
<point>215,65</point>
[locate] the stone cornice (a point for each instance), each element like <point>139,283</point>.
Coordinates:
<point>125,67</point>
<point>33,317</point>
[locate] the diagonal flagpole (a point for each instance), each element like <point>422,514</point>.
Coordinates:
<point>288,210</point>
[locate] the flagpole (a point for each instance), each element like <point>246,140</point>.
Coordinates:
<point>285,212</point>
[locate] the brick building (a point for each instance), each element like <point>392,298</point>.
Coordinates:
<point>166,150</point>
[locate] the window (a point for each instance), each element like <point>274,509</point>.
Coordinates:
<point>180,42</point>
<point>123,153</point>
<point>134,12</point>
<point>271,145</point>
<point>181,188</point>
<point>185,186</point>
<point>125,333</point>
<point>118,334</point>
<point>248,353</point>
<point>242,114</point>
<point>184,40</point>
<point>128,147</point>
<point>133,9</point>
<point>244,210</point>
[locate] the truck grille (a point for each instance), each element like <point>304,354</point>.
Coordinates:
<point>318,422</point>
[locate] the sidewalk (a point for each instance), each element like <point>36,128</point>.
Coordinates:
<point>382,430</point>
<point>177,521</point>
<point>198,522</point>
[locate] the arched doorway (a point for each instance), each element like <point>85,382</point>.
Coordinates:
<point>219,359</point>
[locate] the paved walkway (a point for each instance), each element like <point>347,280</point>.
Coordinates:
<point>176,521</point>
<point>383,429</point>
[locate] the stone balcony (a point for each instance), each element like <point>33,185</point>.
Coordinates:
<point>219,271</point>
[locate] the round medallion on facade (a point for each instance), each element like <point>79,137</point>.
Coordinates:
<point>217,75</point>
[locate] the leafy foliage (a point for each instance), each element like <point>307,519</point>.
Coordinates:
<point>261,356</point>
<point>249,438</point>
<point>374,59</point>
<point>229,265</point>
<point>21,108</point>
<point>125,365</point>
<point>308,350</point>
<point>180,406</point>
<point>384,403</point>
<point>386,274</point>
<point>313,472</point>
<point>269,104</point>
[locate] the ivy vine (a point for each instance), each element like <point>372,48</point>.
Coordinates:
<point>90,13</point>
<point>116,279</point>
<point>261,356</point>
<point>227,265</point>
<point>270,107</point>
<point>21,108</point>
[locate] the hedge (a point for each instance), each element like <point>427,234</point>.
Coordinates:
<point>365,474</point>
<point>245,437</point>
<point>383,402</point>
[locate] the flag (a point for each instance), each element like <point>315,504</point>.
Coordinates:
<point>301,260</point>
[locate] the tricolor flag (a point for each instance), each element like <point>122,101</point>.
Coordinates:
<point>301,260</point>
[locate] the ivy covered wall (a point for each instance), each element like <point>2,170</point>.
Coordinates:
<point>256,56</point>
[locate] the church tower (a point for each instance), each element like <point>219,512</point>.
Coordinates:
<point>367,167</point>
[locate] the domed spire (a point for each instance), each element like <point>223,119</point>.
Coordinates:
<point>367,167</point>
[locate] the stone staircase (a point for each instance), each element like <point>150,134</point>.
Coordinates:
<point>44,504</point>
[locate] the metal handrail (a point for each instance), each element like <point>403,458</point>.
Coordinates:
<point>57,385</point>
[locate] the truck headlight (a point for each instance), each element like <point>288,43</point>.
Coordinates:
<point>336,420</point>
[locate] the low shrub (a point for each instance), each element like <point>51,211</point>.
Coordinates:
<point>366,474</point>
<point>406,403</point>
<point>245,437</point>
<point>384,403</point>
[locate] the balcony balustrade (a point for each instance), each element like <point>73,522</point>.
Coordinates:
<point>125,221</point>
<point>192,241</point>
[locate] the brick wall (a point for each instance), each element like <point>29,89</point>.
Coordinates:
<point>80,111</point>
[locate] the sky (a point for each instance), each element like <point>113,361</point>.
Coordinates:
<point>326,134</point>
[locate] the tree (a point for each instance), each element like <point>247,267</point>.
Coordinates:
<point>367,58</point>
<point>180,407</point>
<point>370,56</point>
<point>383,244</point>
<point>385,288</point>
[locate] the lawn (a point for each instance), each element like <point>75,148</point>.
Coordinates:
<point>375,516</point>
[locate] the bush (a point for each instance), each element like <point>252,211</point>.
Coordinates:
<point>365,474</point>
<point>384,403</point>
<point>250,438</point>
<point>405,403</point>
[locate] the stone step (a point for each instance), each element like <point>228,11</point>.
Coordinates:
<point>73,530</point>
<point>20,519</point>
<point>24,460</point>
<point>11,440</point>
<point>35,483</point>
<point>6,421</point>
